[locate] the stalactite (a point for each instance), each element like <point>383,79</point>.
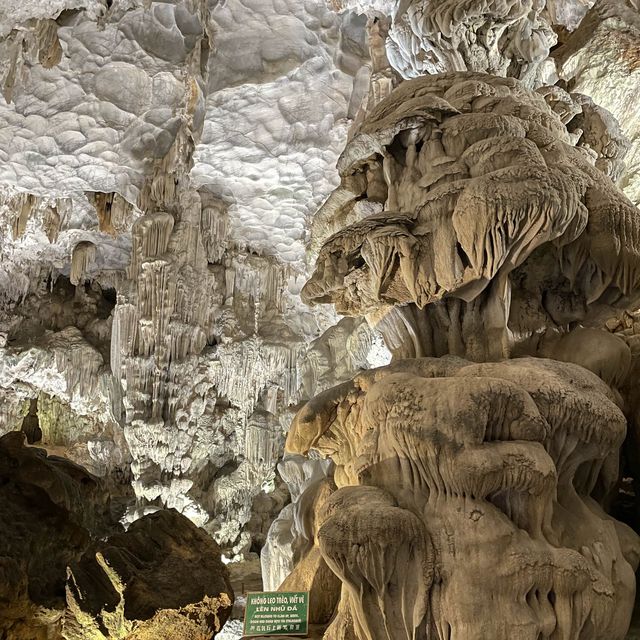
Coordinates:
<point>215,227</point>
<point>123,336</point>
<point>82,257</point>
<point>244,370</point>
<point>113,211</point>
<point>49,49</point>
<point>51,223</point>
<point>25,207</point>
<point>150,238</point>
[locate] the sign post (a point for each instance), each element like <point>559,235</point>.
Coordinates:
<point>276,613</point>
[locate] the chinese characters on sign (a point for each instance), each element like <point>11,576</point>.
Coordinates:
<point>274,613</point>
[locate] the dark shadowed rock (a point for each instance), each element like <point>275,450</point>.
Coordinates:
<point>164,571</point>
<point>67,570</point>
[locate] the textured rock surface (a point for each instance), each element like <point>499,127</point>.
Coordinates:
<point>162,578</point>
<point>291,533</point>
<point>277,116</point>
<point>49,510</point>
<point>440,463</point>
<point>568,14</point>
<point>601,59</point>
<point>161,163</point>
<point>501,38</point>
<point>492,223</point>
<point>62,577</point>
<point>171,182</point>
<point>468,500</point>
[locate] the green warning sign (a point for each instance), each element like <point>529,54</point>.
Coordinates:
<point>275,613</point>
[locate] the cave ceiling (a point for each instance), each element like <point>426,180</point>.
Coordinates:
<point>214,211</point>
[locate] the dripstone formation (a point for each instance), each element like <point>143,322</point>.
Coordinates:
<point>467,499</point>
<point>342,292</point>
<point>494,226</point>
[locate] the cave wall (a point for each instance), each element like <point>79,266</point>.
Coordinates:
<point>156,194</point>
<point>168,180</point>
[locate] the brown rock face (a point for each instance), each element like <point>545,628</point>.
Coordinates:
<point>467,502</point>
<point>476,218</point>
<point>62,577</point>
<point>474,215</point>
<point>50,509</point>
<point>164,571</point>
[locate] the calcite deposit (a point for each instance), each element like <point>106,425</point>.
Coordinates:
<point>176,334</point>
<point>440,464</point>
<point>601,59</point>
<point>70,572</point>
<point>493,224</point>
<point>348,285</point>
<point>468,500</point>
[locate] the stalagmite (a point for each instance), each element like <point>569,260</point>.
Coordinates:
<point>475,156</point>
<point>493,465</point>
<point>469,498</point>
<point>342,292</point>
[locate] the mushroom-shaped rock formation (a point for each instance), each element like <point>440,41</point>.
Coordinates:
<point>470,219</point>
<point>467,502</point>
<point>63,576</point>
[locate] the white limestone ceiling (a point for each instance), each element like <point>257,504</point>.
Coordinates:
<point>27,260</point>
<point>280,97</point>
<point>87,103</point>
<point>14,14</point>
<point>281,77</point>
<point>95,120</point>
<point>568,13</point>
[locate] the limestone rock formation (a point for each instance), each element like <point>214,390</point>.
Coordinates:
<point>162,578</point>
<point>601,60</point>
<point>501,38</point>
<point>68,570</point>
<point>145,183</point>
<point>475,218</point>
<point>466,502</point>
<point>50,509</point>
<point>290,535</point>
<point>470,219</point>
<point>568,14</point>
<point>162,163</point>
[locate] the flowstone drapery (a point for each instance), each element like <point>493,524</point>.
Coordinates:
<point>464,505</point>
<point>493,36</point>
<point>474,215</point>
<point>476,221</point>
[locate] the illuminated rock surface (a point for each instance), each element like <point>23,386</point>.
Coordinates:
<point>172,224</point>
<point>462,487</point>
